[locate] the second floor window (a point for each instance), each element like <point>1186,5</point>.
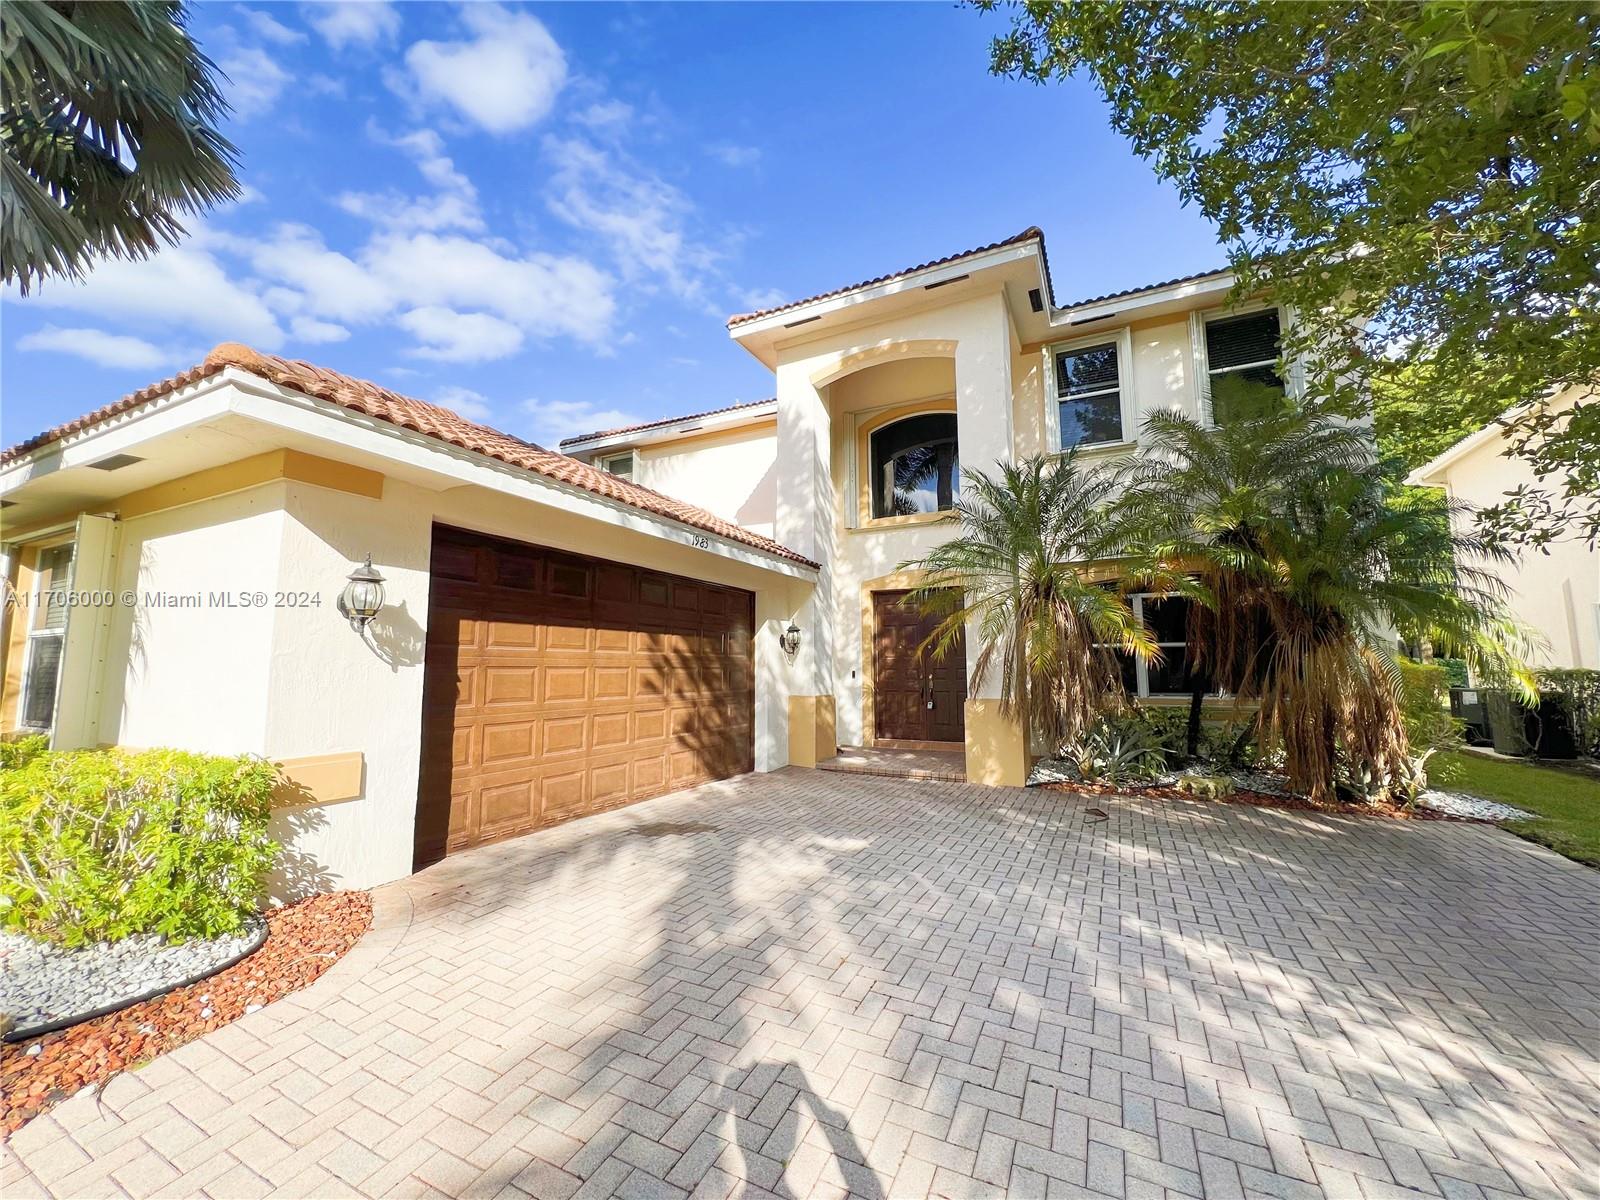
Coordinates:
<point>915,467</point>
<point>1089,393</point>
<point>1242,361</point>
<point>620,465</point>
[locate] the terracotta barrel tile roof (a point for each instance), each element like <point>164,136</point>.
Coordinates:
<point>1148,287</point>
<point>710,412</point>
<point>1029,234</point>
<point>431,420</point>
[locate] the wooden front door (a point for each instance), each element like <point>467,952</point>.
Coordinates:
<point>916,697</point>
<point>558,685</point>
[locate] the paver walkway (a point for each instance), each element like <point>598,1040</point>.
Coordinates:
<point>809,982</point>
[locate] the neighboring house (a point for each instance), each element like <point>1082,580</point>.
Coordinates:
<point>1555,590</point>
<point>562,636</point>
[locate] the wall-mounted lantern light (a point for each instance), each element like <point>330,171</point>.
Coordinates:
<point>789,640</point>
<point>362,596</point>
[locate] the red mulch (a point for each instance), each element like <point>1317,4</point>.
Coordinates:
<point>303,941</point>
<point>1262,800</point>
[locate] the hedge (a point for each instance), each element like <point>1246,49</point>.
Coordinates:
<point>98,845</point>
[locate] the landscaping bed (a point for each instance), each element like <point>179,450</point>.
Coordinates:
<point>1256,799</point>
<point>45,987</point>
<point>303,940</point>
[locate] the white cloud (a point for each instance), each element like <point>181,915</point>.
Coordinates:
<point>451,336</point>
<point>106,349</point>
<point>543,294</point>
<point>731,155</point>
<point>605,114</point>
<point>318,333</point>
<point>453,206</point>
<point>474,406</point>
<point>641,217</point>
<point>504,78</point>
<point>270,28</point>
<point>551,420</point>
<point>255,81</point>
<point>756,299</point>
<point>183,287</point>
<point>353,22</point>
<point>317,280</point>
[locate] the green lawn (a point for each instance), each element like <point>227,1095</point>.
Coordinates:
<point>1568,804</point>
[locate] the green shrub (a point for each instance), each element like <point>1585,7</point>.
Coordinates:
<point>19,752</point>
<point>96,845</point>
<point>1425,710</point>
<point>1230,745</point>
<point>1117,750</point>
<point>1166,727</point>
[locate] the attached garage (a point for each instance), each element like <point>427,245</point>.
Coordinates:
<point>557,685</point>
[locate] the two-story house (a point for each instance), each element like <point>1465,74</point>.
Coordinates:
<point>567,632</point>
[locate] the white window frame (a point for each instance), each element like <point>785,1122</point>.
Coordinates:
<point>1122,338</point>
<point>633,464</point>
<point>31,614</point>
<point>1293,380</point>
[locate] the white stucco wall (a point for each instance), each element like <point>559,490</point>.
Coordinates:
<point>293,680</point>
<point>192,673</point>
<point>1557,593</point>
<point>733,474</point>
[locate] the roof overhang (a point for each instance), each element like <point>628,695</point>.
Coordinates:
<point>1018,268</point>
<point>1142,305</point>
<point>668,431</point>
<point>233,415</point>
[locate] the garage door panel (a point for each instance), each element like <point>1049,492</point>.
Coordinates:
<point>513,804</point>
<point>503,685</point>
<point>557,685</point>
<point>610,731</point>
<point>613,641</point>
<point>510,741</point>
<point>564,736</point>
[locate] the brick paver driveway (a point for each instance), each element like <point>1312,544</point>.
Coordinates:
<point>806,983</point>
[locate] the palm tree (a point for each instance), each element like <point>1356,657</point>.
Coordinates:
<point>107,117</point>
<point>1306,572</point>
<point>1050,631</point>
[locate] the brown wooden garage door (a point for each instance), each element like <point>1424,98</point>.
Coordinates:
<point>557,685</point>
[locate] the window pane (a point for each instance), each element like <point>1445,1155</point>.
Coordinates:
<point>55,574</point>
<point>1129,670</point>
<point>621,466</point>
<point>1091,369</point>
<point>1168,619</point>
<point>1091,419</point>
<point>1246,394</point>
<point>915,466</point>
<point>44,668</point>
<point>1170,676</point>
<point>1251,338</point>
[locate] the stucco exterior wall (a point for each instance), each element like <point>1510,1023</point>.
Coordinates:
<point>182,669</point>
<point>1558,593</point>
<point>291,679</point>
<point>732,474</point>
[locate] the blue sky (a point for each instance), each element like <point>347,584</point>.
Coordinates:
<point>543,216</point>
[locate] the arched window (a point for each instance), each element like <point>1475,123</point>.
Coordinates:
<point>915,468</point>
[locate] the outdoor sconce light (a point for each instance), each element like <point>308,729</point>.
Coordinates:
<point>789,640</point>
<point>362,596</point>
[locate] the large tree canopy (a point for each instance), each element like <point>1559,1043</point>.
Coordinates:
<point>1420,180</point>
<point>107,115</point>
